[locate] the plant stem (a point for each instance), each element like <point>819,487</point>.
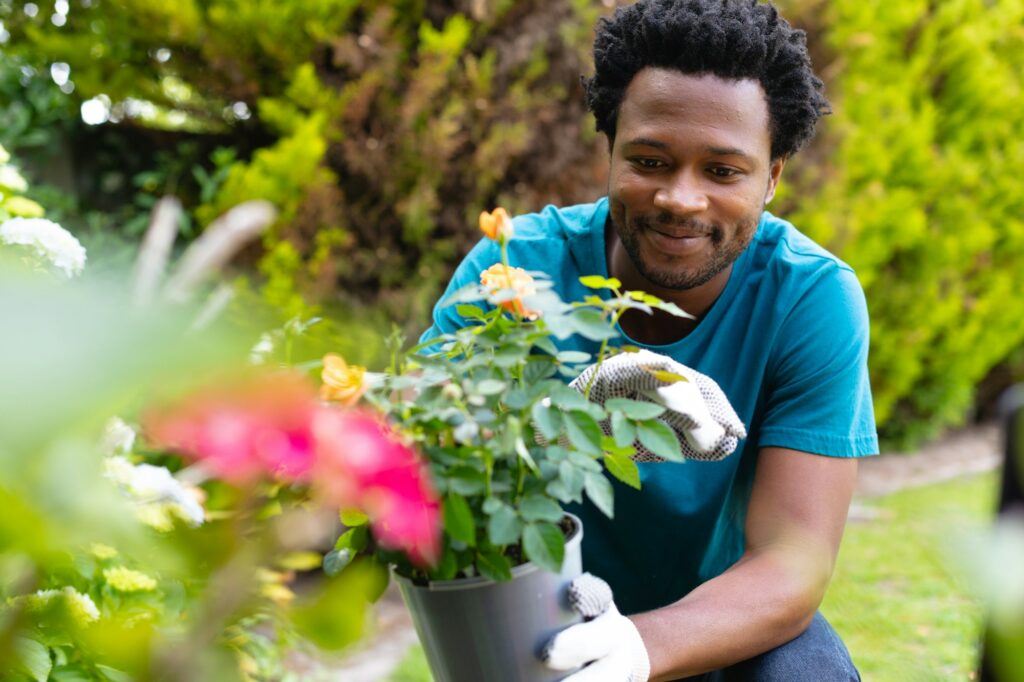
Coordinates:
<point>600,355</point>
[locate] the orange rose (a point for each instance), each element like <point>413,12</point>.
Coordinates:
<point>497,225</point>
<point>498,277</point>
<point>343,382</point>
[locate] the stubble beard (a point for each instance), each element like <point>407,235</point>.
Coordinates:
<point>723,253</point>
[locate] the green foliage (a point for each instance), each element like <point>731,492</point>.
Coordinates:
<point>918,191</point>
<point>385,127</point>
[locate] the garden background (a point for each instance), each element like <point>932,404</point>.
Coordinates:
<point>379,131</point>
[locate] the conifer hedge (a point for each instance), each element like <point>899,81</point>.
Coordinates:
<point>388,126</point>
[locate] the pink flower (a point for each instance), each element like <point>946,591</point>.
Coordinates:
<point>361,462</point>
<point>257,427</point>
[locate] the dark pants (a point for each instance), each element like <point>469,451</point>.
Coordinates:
<point>818,655</point>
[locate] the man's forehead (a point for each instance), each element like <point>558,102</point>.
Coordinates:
<point>658,96</point>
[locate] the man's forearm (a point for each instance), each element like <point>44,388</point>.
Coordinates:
<point>766,599</point>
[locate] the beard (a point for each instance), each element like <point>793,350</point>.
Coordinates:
<point>681,278</point>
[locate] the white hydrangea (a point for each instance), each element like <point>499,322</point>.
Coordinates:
<point>156,493</point>
<point>81,606</point>
<point>118,437</point>
<point>11,179</point>
<point>48,239</point>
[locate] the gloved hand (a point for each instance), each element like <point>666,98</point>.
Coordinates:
<point>698,411</point>
<point>606,640</point>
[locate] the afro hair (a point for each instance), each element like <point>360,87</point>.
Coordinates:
<point>731,39</point>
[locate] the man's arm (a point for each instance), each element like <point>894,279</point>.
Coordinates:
<point>795,521</point>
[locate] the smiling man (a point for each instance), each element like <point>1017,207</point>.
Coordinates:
<point>720,566</point>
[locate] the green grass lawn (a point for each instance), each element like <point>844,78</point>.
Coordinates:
<point>896,598</point>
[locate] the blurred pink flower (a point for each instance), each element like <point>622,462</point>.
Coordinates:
<point>361,462</point>
<point>253,428</point>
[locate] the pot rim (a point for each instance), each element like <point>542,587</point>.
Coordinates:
<point>479,580</point>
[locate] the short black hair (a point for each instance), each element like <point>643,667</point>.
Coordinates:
<point>731,39</point>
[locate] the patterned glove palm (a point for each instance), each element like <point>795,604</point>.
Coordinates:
<point>698,411</point>
<point>607,642</point>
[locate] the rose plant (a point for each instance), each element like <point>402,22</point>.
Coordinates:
<point>507,440</point>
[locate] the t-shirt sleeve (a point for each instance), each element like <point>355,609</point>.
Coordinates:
<point>446,320</point>
<point>818,397</point>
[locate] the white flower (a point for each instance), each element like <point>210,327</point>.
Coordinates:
<point>48,239</point>
<point>156,493</point>
<point>81,606</point>
<point>118,437</point>
<point>262,350</point>
<point>11,179</point>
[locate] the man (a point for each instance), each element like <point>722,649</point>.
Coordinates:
<point>722,565</point>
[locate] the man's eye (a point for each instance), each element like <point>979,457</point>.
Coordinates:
<point>723,172</point>
<point>648,164</point>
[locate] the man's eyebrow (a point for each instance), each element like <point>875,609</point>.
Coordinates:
<point>716,151</point>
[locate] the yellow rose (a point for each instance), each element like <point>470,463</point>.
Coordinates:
<point>498,277</point>
<point>497,225</point>
<point>343,382</point>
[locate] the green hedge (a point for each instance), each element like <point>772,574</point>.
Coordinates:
<point>387,128</point>
<point>919,190</point>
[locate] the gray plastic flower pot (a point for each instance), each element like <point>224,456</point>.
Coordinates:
<point>478,630</point>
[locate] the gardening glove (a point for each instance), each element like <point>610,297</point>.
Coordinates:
<point>698,411</point>
<point>607,642</point>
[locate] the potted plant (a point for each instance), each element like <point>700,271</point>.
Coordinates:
<point>508,443</point>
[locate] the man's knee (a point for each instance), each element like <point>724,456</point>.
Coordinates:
<point>817,655</point>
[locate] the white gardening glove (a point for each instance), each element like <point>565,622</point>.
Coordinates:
<point>606,642</point>
<point>698,411</point>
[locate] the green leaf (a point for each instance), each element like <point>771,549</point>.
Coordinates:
<point>592,325</point>
<point>584,432</point>
<point>634,409</point>
<point>447,567</point>
<point>355,539</point>
<point>599,282</point>
<point>600,492</point>
<point>466,481</point>
<point>469,311</point>
<point>336,560</point>
<point>544,545</point>
<point>558,490</point>
<point>573,357</point>
<point>537,369</point>
<point>567,398</point>
<point>670,308</point>
<point>571,476</point>
<point>664,375</point>
<point>494,565</point>
<point>353,518</point>
<point>623,468</point>
<point>549,421</point>
<point>659,439</point>
<point>33,657</point>
<point>458,520</point>
<point>540,508</point>
<point>491,387</point>
<point>623,430</point>
<point>504,526</point>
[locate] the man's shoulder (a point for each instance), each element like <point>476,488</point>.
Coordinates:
<point>561,222</point>
<point>783,248</point>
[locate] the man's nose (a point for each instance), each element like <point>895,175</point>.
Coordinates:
<point>683,194</point>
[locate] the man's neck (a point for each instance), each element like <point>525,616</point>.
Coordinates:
<point>660,328</point>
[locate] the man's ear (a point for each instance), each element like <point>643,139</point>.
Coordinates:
<point>774,173</point>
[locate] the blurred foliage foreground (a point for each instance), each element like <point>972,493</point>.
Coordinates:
<point>119,560</point>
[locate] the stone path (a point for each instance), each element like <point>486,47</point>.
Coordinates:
<point>965,452</point>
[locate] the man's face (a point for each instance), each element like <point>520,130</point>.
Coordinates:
<point>691,171</point>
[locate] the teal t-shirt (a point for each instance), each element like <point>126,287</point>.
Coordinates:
<point>787,341</point>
